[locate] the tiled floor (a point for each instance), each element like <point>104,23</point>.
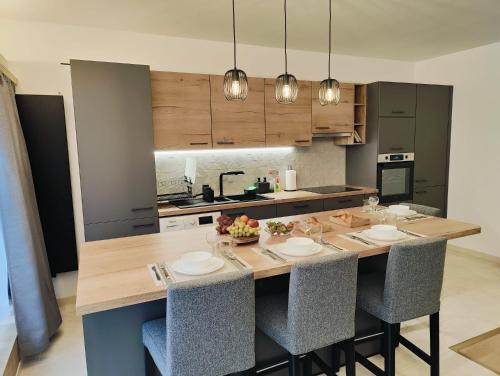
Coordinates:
<point>470,306</point>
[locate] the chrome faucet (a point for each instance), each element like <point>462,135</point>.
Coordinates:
<point>221,183</point>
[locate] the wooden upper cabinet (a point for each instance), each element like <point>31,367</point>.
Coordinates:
<point>288,124</point>
<point>238,123</point>
<point>333,118</point>
<point>181,110</point>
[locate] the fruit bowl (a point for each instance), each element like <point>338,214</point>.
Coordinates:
<point>242,229</point>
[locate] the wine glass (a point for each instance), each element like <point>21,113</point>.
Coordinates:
<point>373,202</point>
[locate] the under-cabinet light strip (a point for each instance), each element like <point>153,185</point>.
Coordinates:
<point>221,151</point>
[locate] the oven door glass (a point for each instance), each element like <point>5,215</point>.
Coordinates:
<point>395,181</point>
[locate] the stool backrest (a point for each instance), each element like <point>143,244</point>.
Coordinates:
<point>211,325</point>
<point>322,301</point>
<point>423,209</point>
<point>414,278</point>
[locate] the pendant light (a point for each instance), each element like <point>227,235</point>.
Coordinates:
<point>329,89</point>
<point>286,88</point>
<point>235,80</point>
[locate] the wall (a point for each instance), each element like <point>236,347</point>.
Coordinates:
<point>255,163</point>
<point>475,139</point>
<point>35,50</point>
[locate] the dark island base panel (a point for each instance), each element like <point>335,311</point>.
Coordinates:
<point>113,339</point>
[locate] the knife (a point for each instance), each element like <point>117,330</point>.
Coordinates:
<point>273,255</point>
<point>328,244</point>
<point>158,278</point>
<point>234,259</point>
<point>411,233</point>
<point>361,240</point>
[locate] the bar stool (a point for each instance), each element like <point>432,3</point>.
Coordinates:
<point>423,209</point>
<point>209,329</point>
<point>411,288</point>
<point>317,311</point>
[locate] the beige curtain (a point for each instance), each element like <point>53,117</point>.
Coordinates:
<point>35,307</point>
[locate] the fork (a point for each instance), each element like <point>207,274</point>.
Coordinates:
<point>233,258</point>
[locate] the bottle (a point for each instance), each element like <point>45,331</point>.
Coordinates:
<point>277,184</point>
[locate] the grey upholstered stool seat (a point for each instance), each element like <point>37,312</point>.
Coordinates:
<point>317,311</point>
<point>410,288</point>
<point>209,329</point>
<point>423,209</point>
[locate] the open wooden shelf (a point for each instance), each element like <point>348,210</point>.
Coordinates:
<point>359,118</point>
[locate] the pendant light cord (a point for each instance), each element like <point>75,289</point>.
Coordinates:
<point>286,58</point>
<point>330,41</point>
<point>234,37</point>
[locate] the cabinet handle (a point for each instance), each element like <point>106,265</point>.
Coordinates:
<point>397,148</point>
<point>397,112</point>
<point>301,141</point>
<point>421,181</point>
<point>420,192</point>
<point>301,206</point>
<point>142,209</point>
<point>345,201</point>
<point>322,127</point>
<point>225,142</point>
<point>144,225</point>
<point>198,143</point>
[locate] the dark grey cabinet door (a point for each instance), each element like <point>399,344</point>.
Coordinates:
<point>396,135</point>
<point>299,207</point>
<point>431,135</point>
<point>119,229</point>
<point>113,116</point>
<point>397,99</point>
<point>255,212</point>
<point>430,196</point>
<point>342,202</point>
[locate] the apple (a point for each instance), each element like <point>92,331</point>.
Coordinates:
<point>244,218</point>
<point>253,223</point>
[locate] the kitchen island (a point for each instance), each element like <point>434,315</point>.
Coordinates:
<point>116,293</point>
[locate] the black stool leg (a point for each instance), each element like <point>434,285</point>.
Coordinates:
<point>294,365</point>
<point>390,350</point>
<point>335,358</point>
<point>149,362</point>
<point>434,334</point>
<point>396,335</point>
<point>250,372</point>
<point>308,366</point>
<point>350,357</point>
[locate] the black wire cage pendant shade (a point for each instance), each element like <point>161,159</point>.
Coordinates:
<point>235,80</point>
<point>329,89</point>
<point>286,88</point>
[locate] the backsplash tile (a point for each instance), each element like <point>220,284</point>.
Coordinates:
<point>321,164</point>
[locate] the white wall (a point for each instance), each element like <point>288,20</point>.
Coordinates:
<point>34,51</point>
<point>475,139</point>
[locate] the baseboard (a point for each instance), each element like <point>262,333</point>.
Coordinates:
<point>12,366</point>
<point>469,252</point>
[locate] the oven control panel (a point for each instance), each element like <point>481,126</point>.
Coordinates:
<point>399,157</point>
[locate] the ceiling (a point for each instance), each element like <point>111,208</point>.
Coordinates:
<point>395,29</point>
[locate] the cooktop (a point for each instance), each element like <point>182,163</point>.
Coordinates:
<point>330,189</point>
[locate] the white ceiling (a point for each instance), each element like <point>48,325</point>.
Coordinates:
<point>396,29</point>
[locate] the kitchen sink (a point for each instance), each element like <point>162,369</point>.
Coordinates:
<point>247,198</point>
<point>199,202</point>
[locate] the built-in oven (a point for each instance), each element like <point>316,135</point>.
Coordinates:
<point>395,177</point>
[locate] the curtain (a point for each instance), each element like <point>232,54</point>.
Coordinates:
<point>36,311</point>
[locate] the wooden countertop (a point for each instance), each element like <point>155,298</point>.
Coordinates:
<point>169,210</point>
<point>113,273</point>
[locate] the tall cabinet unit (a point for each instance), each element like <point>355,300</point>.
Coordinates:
<point>432,145</point>
<point>407,118</point>
<point>113,118</point>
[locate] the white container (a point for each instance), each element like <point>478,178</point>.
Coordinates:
<point>290,180</point>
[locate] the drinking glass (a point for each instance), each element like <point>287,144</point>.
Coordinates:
<point>212,238</point>
<point>366,206</point>
<point>373,202</point>
<point>316,232</point>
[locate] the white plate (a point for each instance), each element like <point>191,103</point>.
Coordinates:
<point>282,248</point>
<point>401,213</point>
<point>384,235</point>
<point>211,266</point>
